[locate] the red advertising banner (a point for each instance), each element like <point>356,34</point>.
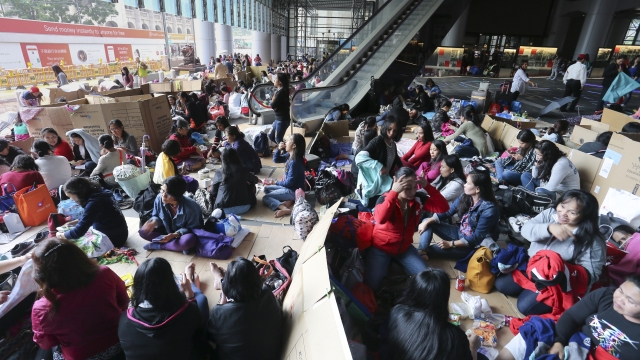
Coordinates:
<point>121,52</point>
<point>42,55</point>
<point>10,25</point>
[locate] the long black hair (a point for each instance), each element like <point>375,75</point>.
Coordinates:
<point>587,233</point>
<point>49,130</point>
<point>550,156</point>
<point>387,124</point>
<point>440,145</point>
<point>301,146</point>
<point>427,133</point>
<point>418,327</point>
<point>470,115</point>
<point>231,163</point>
<point>42,148</point>
<point>527,137</point>
<point>242,282</point>
<point>119,124</point>
<point>284,80</point>
<point>235,132</point>
<point>453,162</point>
<point>154,282</point>
<point>482,180</point>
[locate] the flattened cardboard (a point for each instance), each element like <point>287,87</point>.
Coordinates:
<point>624,173</point>
<point>587,131</point>
<point>509,135</point>
<point>587,166</point>
<point>162,87</point>
<point>315,240</point>
<point>615,120</point>
<point>595,124</point>
<point>156,115</point>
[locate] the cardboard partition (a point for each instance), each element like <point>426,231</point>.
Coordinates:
<point>57,117</point>
<point>121,92</point>
<point>51,94</point>
<point>242,75</point>
<point>486,123</point>
<point>162,87</point>
<point>587,166</point>
<point>186,85</point>
<point>615,120</point>
<point>509,135</point>
<point>255,70</point>
<point>523,124</point>
<point>73,102</point>
<point>620,167</point>
<point>587,131</point>
<point>25,145</point>
<point>495,131</point>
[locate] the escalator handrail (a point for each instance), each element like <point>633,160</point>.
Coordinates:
<point>346,81</point>
<point>334,53</point>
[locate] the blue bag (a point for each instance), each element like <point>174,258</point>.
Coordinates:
<point>516,107</point>
<point>7,203</point>
<point>261,144</point>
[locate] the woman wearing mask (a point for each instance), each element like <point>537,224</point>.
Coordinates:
<point>420,152</point>
<point>479,216</point>
<point>428,171</point>
<point>60,147</point>
<point>451,181</point>
<point>569,229</point>
<point>509,170</point>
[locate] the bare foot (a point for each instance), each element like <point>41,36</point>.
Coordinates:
<point>190,271</point>
<point>218,275</point>
<point>281,213</point>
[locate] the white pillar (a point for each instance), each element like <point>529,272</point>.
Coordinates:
<point>595,27</point>
<point>456,34</point>
<point>204,38</point>
<point>224,39</point>
<point>261,45</point>
<point>275,48</point>
<point>283,48</point>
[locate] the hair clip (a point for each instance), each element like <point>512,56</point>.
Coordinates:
<point>51,250</point>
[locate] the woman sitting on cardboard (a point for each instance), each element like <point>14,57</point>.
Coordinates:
<point>107,163</point>
<point>86,150</point>
<point>24,173</point>
<point>552,173</point>
<point>184,158</point>
<point>54,169</point>
<point>60,146</point>
<point>509,170</point>
<point>233,188</point>
<point>246,152</point>
<point>471,128</point>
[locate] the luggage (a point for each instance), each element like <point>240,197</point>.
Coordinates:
<point>482,99</point>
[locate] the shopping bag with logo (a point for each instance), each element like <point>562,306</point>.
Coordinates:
<point>34,204</point>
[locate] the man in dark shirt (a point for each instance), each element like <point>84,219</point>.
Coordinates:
<point>609,74</point>
<point>9,152</point>
<point>32,97</point>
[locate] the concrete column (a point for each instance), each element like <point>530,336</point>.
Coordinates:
<point>204,38</point>
<point>275,47</point>
<point>224,39</point>
<point>456,34</point>
<point>557,27</point>
<point>283,48</point>
<point>261,45</point>
<point>595,27</point>
<point>138,22</point>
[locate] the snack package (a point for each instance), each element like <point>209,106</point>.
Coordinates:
<point>455,319</point>
<point>487,331</point>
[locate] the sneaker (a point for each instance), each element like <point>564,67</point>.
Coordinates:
<point>22,248</point>
<point>152,246</point>
<point>42,235</point>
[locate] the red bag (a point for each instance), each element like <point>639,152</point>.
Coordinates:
<point>244,110</point>
<point>494,109</point>
<point>365,295</point>
<point>216,111</point>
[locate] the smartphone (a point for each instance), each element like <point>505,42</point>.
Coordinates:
<point>34,56</point>
<point>158,239</point>
<point>111,54</point>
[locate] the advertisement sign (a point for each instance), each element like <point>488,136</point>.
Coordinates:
<point>117,52</point>
<point>84,54</point>
<point>43,54</point>
<point>148,51</point>
<point>8,58</point>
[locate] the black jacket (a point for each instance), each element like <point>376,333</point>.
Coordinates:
<point>593,148</point>
<point>377,150</point>
<point>236,191</point>
<point>248,330</point>
<point>146,333</point>
<point>194,114</point>
<point>425,103</point>
<point>13,153</point>
<point>609,74</point>
<point>281,105</point>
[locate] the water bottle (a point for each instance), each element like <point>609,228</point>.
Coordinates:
<point>524,114</point>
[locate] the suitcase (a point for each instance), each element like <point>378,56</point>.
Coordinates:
<point>483,100</point>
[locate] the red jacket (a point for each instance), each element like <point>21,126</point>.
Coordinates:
<point>64,149</point>
<point>186,149</point>
<point>390,234</point>
<point>418,154</point>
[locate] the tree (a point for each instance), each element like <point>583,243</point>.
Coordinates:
<point>88,12</point>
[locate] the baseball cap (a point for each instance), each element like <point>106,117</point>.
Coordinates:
<point>581,56</point>
<point>35,89</point>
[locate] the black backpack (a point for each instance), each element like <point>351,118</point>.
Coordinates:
<point>523,201</point>
<point>143,204</point>
<point>327,188</point>
<point>261,144</point>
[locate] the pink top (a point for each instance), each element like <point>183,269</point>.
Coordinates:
<point>630,263</point>
<point>429,170</point>
<point>86,322</point>
<point>418,154</point>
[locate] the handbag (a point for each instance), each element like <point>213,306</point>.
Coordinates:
<point>479,275</point>
<point>288,259</point>
<point>244,110</point>
<point>34,204</point>
<point>274,274</point>
<point>7,203</point>
<point>524,201</point>
<point>352,271</point>
<point>213,246</point>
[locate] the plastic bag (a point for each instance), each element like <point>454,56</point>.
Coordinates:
<point>462,309</point>
<point>486,331</point>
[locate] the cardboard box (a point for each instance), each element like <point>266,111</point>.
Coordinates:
<point>54,116</point>
<point>25,145</point>
<point>615,120</point>
<point>186,85</point>
<point>509,136</point>
<point>620,167</point>
<point>162,87</point>
<point>121,92</point>
<point>50,95</point>
<point>587,131</point>
<point>587,166</point>
<point>523,124</point>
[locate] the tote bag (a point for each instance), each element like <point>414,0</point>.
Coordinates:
<point>34,204</point>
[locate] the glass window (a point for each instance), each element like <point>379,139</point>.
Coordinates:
<point>632,37</point>
<point>171,7</point>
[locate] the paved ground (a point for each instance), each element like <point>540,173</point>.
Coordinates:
<point>535,99</point>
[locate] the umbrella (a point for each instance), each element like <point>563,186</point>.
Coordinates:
<point>622,85</point>
<point>555,105</point>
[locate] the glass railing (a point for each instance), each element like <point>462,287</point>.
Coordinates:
<point>313,103</point>
<point>382,18</point>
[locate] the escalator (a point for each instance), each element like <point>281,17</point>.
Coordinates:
<point>349,55</point>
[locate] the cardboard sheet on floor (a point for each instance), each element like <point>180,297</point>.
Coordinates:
<point>620,167</point>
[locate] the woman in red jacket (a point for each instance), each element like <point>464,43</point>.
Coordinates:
<point>397,214</point>
<point>60,147</point>
<point>186,149</point>
<point>420,152</point>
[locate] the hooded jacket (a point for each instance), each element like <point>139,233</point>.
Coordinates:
<point>370,182</point>
<point>90,143</point>
<point>391,234</point>
<point>146,333</point>
<point>102,212</point>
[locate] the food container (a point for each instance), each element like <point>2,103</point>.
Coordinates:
<point>203,174</point>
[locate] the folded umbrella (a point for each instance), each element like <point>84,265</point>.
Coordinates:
<point>555,105</point>
<point>621,85</point>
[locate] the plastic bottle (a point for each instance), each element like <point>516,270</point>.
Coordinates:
<point>524,114</point>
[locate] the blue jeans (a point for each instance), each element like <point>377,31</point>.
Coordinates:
<point>278,129</point>
<point>533,184</point>
<point>237,210</point>
<point>377,265</point>
<point>464,151</point>
<point>527,303</point>
<point>274,195</point>
<point>505,174</point>
<point>445,232</point>
<point>203,304</point>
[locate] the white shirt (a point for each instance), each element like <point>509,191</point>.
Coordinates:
<point>106,85</point>
<point>577,71</point>
<point>520,80</point>
<point>55,170</point>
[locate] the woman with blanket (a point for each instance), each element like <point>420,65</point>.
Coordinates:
<point>570,230</point>
<point>610,318</point>
<point>396,215</point>
<point>86,149</point>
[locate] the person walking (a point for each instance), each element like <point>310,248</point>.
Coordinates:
<point>554,68</point>
<point>609,74</point>
<point>574,79</point>
<point>520,80</point>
